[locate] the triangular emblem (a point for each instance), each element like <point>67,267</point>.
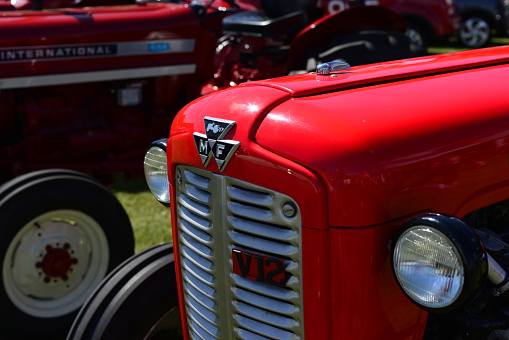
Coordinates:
<point>211,143</point>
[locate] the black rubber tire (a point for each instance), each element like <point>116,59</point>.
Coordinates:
<point>57,208</point>
<point>132,300</point>
<point>367,47</point>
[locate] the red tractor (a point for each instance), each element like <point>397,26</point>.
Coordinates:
<point>87,86</point>
<point>369,202</point>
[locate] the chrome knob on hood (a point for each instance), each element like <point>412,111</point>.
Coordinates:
<point>327,68</point>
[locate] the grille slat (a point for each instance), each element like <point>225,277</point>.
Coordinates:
<point>247,335</point>
<point>193,219</point>
<point>194,206</point>
<point>199,329</point>
<point>216,214</point>
<point>201,286</point>
<point>264,289</point>
<point>248,196</point>
<point>196,237</point>
<point>264,329</point>
<point>263,230</point>
<point>262,244</point>
<point>203,312</point>
<point>264,316</point>
<point>201,298</point>
<point>265,302</point>
<point>196,271</point>
<point>256,213</point>
<point>198,194</point>
<point>204,324</point>
<point>197,180</point>
<point>200,261</point>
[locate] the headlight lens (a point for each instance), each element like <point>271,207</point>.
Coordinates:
<point>439,262</point>
<point>156,171</point>
<point>428,267</point>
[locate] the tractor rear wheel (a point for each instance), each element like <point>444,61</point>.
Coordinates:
<point>61,232</point>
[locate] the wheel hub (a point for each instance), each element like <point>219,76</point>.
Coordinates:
<point>56,263</point>
<point>474,32</point>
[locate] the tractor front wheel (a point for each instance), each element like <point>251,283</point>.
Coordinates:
<point>136,301</point>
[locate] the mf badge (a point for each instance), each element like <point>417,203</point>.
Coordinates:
<point>211,143</point>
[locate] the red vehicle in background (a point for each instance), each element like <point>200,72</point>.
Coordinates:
<point>428,20</point>
<point>87,87</point>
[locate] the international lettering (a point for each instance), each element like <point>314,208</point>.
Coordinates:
<point>22,54</point>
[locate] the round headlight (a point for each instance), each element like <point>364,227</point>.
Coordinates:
<point>156,171</point>
<point>439,262</point>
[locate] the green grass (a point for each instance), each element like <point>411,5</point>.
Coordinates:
<point>149,218</point>
<point>457,47</point>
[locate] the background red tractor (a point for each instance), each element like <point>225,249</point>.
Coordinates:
<point>86,87</point>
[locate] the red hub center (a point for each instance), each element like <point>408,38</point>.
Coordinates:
<point>56,263</point>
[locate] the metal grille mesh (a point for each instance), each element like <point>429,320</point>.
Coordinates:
<point>215,214</point>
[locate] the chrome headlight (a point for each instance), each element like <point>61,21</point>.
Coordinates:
<point>439,262</point>
<point>156,171</point>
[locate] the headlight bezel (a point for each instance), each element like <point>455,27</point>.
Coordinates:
<point>158,185</point>
<point>468,247</point>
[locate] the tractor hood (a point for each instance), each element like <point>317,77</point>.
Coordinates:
<point>385,139</point>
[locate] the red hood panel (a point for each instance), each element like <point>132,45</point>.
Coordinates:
<point>391,149</point>
<point>309,84</point>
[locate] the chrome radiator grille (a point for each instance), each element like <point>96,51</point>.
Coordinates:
<point>216,214</point>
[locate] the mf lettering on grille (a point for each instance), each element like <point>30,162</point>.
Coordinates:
<point>259,268</point>
<point>211,143</point>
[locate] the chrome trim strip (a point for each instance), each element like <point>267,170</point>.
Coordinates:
<point>101,49</point>
<point>90,77</point>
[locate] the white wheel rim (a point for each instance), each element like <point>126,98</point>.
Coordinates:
<point>474,32</point>
<point>54,262</point>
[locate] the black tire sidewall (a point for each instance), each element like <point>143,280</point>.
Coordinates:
<point>137,294</point>
<point>151,299</point>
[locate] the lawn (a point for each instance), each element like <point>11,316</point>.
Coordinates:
<point>149,218</point>
<point>456,47</point>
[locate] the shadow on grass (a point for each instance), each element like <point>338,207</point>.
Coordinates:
<point>130,185</point>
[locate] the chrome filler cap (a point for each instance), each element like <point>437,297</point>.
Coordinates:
<point>326,68</point>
